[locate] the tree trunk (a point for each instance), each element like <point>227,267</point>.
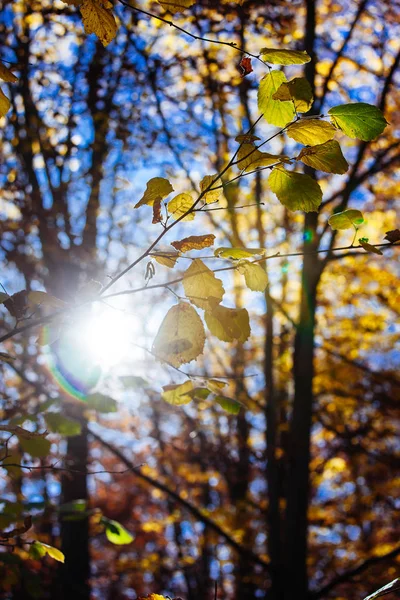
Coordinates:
<point>75,573</point>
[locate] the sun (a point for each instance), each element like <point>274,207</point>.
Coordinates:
<point>107,336</point>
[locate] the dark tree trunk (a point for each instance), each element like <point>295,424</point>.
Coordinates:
<point>75,572</point>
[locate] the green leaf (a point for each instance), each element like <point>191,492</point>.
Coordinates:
<point>157,189</point>
<point>37,447</point>
<point>116,533</point>
<point>326,157</point>
<point>181,336</point>
<point>275,112</point>
<point>199,393</point>
<point>178,394</point>
<point>41,549</point>
<point>228,324</point>
<point>311,131</point>
<point>201,285</point>
<point>369,247</point>
<point>57,423</point>
<point>392,586</point>
<point>13,458</point>
<point>101,403</point>
<point>296,191</point>
<point>231,406</point>
<point>275,56</point>
<point>346,219</point>
<point>359,120</point>
<point>298,91</point>
<point>254,275</point>
<point>238,253</point>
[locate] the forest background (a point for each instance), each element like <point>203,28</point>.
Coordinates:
<point>284,481</point>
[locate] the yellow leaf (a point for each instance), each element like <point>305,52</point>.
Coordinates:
<point>201,285</point>
<point>179,205</point>
<point>275,112</point>
<point>175,6</point>
<point>7,75</point>
<point>298,91</point>
<point>50,550</point>
<point>99,20</point>
<point>194,242</point>
<point>177,394</point>
<point>284,57</point>
<point>167,259</point>
<point>255,276</point>
<point>157,188</point>
<point>295,190</point>
<point>311,131</point>
<point>4,104</point>
<point>249,158</point>
<point>326,157</point>
<point>45,299</point>
<point>214,195</point>
<point>181,336</point>
<point>238,253</point>
<point>228,324</point>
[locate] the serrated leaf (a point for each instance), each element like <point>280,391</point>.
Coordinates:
<point>179,205</point>
<point>101,403</point>
<point>229,404</point>
<point>213,195</point>
<point>250,158</point>
<point>238,253</point>
<point>369,247</point>
<point>275,112</point>
<point>311,131</point>
<point>157,188</point>
<point>325,157</point>
<point>178,394</point>
<point>275,56</point>
<point>37,447</point>
<point>254,275</point>
<point>5,104</point>
<point>174,6</point>
<point>116,533</point>
<point>57,423</point>
<point>298,91</point>
<point>167,259</point>
<point>359,120</point>
<point>228,324</point>
<point>6,74</point>
<point>392,586</point>
<point>201,285</point>
<point>296,191</point>
<point>99,20</point>
<point>194,242</point>
<point>43,549</point>
<point>346,219</point>
<point>181,336</point>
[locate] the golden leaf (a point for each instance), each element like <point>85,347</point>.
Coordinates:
<point>201,285</point>
<point>99,20</point>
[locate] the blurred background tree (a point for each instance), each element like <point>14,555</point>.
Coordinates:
<point>297,495</point>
